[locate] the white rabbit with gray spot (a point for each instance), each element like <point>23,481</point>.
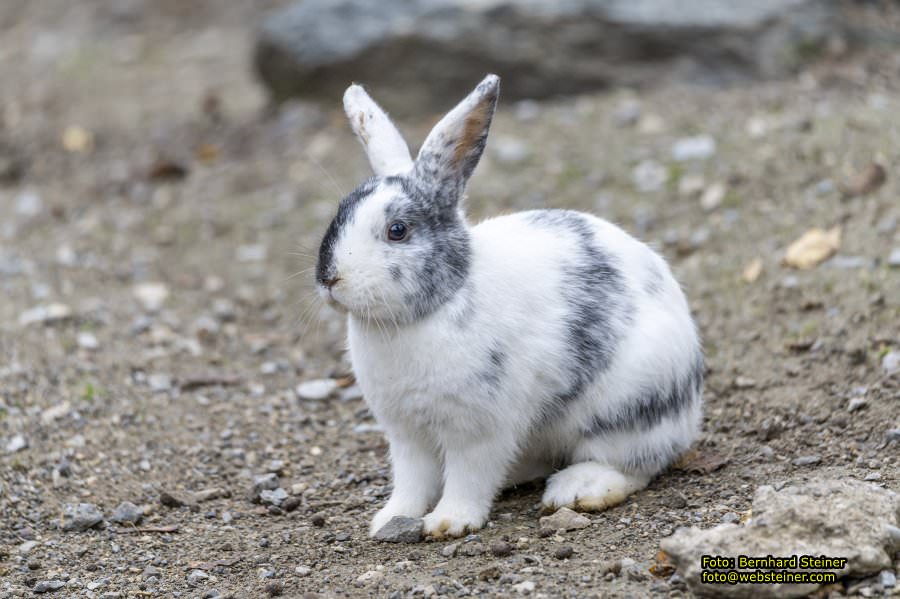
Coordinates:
<point>541,343</point>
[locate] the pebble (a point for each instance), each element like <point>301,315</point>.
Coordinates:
<point>87,341</point>
<point>744,382</point>
<point>302,571</point>
<point>807,460</point>
<point>151,296</point>
<point>275,496</point>
<point>565,519</point>
<point>79,517</point>
<point>159,383</point>
<point>526,587</point>
<point>894,258</point>
<point>888,579</point>
<point>127,512</point>
<point>251,253</point>
<point>224,309</point>
<point>401,529</point>
<point>890,363</point>
<point>564,552</point>
<point>731,518</point>
<point>274,589</point>
<point>17,443</point>
<point>848,262</point>
<point>48,586</point>
<point>857,403</point>
<point>872,477</point>
<point>171,500</point>
<point>649,176</point>
<point>450,550</point>
<point>509,150</point>
<point>45,314</point>
<point>316,390</point>
<point>265,482</point>
<point>501,549</point>
<point>712,197</point>
<point>369,577</point>
<point>317,520</point>
<point>892,434</point>
<point>693,148</point>
<point>196,577</point>
<point>627,113</point>
<point>29,203</point>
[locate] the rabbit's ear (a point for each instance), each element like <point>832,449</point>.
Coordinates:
<point>383,143</point>
<point>453,148</point>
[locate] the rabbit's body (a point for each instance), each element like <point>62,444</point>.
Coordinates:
<point>542,341</point>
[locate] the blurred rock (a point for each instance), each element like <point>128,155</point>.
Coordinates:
<point>845,518</point>
<point>693,148</point>
<point>316,48</point>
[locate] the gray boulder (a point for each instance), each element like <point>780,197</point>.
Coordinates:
<point>415,54</point>
<point>836,518</point>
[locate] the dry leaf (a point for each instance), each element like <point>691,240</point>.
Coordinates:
<point>867,181</point>
<point>77,139</point>
<point>752,271</point>
<point>696,462</point>
<point>663,567</point>
<point>207,153</point>
<point>813,247</point>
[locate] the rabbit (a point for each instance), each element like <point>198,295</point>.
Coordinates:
<point>535,344</point>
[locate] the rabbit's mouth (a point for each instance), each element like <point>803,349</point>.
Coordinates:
<point>327,294</point>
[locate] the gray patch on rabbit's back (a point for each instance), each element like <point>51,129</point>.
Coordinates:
<point>596,296</point>
<point>495,369</point>
<point>654,404</point>
<point>654,283</point>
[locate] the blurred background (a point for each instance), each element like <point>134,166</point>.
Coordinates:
<point>168,168</point>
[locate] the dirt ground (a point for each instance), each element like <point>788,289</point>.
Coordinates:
<point>136,161</point>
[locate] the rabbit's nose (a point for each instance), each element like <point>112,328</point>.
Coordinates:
<point>329,283</point>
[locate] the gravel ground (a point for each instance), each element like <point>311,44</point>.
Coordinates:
<point>158,315</point>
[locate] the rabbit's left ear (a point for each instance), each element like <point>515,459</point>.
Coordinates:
<point>453,148</point>
<point>385,148</point>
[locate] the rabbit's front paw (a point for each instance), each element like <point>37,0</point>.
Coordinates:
<point>454,520</point>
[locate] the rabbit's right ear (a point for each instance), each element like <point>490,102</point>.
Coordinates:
<point>387,152</point>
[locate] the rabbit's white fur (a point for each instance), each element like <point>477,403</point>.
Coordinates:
<point>472,390</point>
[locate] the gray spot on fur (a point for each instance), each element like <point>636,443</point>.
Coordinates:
<point>598,305</point>
<point>495,370</point>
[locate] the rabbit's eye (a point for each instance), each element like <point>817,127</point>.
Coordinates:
<point>397,231</point>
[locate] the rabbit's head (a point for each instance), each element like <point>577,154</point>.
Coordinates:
<point>398,247</point>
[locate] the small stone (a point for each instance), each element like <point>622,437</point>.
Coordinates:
<point>526,587</point>
<point>649,176</point>
<point>744,382</point>
<point>894,258</point>
<point>205,327</point>
<point>274,589</point>
<point>501,549</point>
<point>197,577</point>
<point>48,586</point>
<point>892,434</point>
<point>566,519</point>
<point>251,253</point>
<point>302,571</point>
<point>627,113</point>
<point>890,363</point>
<point>401,529</point>
<point>87,341</point>
<point>29,203</point>
<point>848,262</point>
<point>450,550</point>
<point>807,460</point>
<point>45,314</point>
<point>731,517</point>
<point>564,552</point>
<point>887,579</point>
<point>856,404</point>
<point>171,500</point>
<point>291,503</point>
<point>17,443</point>
<point>712,197</point>
<point>699,147</point>
<point>152,296</point>
<point>265,482</point>
<point>151,572</point>
<point>210,494</point>
<point>316,390</point>
<point>691,185</point>
<point>369,577</point>
<point>510,150</point>
<point>275,497</point>
<point>159,383</point>
<point>872,476</point>
<point>78,517</point>
<point>224,309</point>
<point>127,512</point>
<point>318,520</point>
